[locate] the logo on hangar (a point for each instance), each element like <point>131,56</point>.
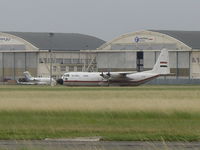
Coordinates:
<point>142,39</point>
<point>4,39</point>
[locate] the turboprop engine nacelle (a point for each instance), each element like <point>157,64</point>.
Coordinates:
<point>109,75</point>
<point>105,75</point>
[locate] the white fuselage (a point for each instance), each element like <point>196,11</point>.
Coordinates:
<point>95,79</point>
<point>135,79</point>
<point>41,80</point>
<point>161,67</point>
<point>84,78</point>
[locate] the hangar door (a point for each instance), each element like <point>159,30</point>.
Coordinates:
<point>116,61</point>
<point>140,60</point>
<point>13,64</point>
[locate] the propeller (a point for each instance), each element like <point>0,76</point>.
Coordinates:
<point>101,74</point>
<point>108,74</point>
<point>105,75</point>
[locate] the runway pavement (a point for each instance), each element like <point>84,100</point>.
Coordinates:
<point>95,145</point>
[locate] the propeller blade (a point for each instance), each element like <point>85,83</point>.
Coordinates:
<point>108,74</point>
<point>101,74</point>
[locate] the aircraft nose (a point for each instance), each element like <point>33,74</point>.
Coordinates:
<point>60,81</point>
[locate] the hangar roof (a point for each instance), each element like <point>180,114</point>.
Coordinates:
<point>60,41</point>
<point>190,38</point>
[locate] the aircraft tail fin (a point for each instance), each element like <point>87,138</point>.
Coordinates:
<point>27,75</point>
<point>162,64</point>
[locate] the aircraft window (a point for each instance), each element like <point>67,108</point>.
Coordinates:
<point>85,75</point>
<point>75,75</point>
<point>66,75</point>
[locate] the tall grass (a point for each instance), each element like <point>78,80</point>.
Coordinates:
<point>116,113</point>
<point>148,98</point>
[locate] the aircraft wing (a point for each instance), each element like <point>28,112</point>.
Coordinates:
<point>26,83</point>
<point>116,75</point>
<point>169,74</point>
<point>125,73</point>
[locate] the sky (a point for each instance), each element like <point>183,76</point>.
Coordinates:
<point>105,19</point>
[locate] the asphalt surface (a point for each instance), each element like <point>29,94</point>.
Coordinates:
<point>95,145</point>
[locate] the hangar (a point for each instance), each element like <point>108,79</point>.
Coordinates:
<point>138,51</point>
<point>45,54</point>
<point>38,53</point>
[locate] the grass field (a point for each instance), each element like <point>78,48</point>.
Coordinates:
<point>115,113</point>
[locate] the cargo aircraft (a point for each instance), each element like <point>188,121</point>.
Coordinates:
<point>161,68</point>
<point>29,80</point>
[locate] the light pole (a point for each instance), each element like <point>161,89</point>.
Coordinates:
<point>50,51</point>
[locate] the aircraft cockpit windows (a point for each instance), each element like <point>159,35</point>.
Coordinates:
<point>66,75</point>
